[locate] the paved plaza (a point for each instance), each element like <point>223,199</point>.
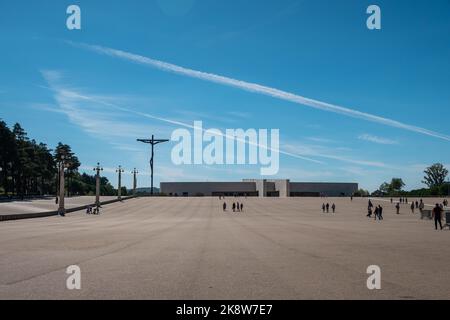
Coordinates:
<point>47,204</point>
<point>188,248</point>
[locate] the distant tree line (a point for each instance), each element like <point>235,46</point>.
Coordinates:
<point>434,179</point>
<point>30,168</point>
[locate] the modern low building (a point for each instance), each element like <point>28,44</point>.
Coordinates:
<point>259,188</point>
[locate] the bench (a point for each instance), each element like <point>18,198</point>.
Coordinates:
<point>447,219</point>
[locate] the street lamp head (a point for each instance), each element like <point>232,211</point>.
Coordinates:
<point>98,168</point>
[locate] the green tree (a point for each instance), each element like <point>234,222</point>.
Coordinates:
<point>397,184</point>
<point>361,193</point>
<point>8,154</point>
<point>21,163</point>
<point>435,175</point>
<point>71,161</point>
<point>385,188</point>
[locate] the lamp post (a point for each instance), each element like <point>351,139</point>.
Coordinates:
<point>134,172</point>
<point>61,208</point>
<point>97,169</point>
<point>153,142</point>
<point>119,189</point>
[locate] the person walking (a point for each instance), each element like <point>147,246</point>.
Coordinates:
<point>412,207</point>
<point>328,207</point>
<point>224,206</point>
<point>421,206</point>
<point>417,204</point>
<point>376,212</point>
<point>323,207</point>
<point>398,208</point>
<point>369,212</point>
<point>380,212</point>
<point>242,207</point>
<point>238,207</point>
<point>333,207</point>
<point>437,214</point>
<point>234,206</point>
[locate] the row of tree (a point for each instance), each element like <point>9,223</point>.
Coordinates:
<point>31,168</point>
<point>434,179</point>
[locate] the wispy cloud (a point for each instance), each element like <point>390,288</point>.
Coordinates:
<point>239,114</point>
<point>330,153</point>
<point>101,125</point>
<point>375,139</point>
<point>320,140</point>
<point>257,88</point>
<point>93,118</point>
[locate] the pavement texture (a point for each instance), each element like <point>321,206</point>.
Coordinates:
<point>188,248</point>
<point>43,205</point>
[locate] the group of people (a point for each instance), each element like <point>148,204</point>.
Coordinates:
<point>414,205</point>
<point>236,207</point>
<point>437,211</point>
<point>401,200</point>
<point>90,210</point>
<point>378,211</point>
<point>326,207</point>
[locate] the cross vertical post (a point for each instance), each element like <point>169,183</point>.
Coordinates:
<point>153,142</point>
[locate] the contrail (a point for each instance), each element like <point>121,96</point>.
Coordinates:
<point>73,94</point>
<point>253,87</point>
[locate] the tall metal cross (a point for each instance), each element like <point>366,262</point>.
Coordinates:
<point>153,142</point>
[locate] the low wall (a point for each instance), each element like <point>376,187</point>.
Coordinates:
<point>8,217</point>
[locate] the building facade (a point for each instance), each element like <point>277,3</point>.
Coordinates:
<point>259,188</point>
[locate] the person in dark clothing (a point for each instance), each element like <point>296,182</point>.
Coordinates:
<point>323,207</point>
<point>238,207</point>
<point>417,205</point>
<point>224,206</point>
<point>412,207</point>
<point>333,207</point>
<point>370,204</point>
<point>376,212</point>
<point>328,207</point>
<point>397,206</point>
<point>369,212</point>
<point>392,200</point>
<point>437,214</point>
<point>234,207</point>
<point>380,212</point>
<point>242,207</point>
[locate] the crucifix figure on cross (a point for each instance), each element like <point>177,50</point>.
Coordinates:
<point>153,142</point>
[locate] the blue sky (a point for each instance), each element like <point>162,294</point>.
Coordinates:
<point>321,50</point>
